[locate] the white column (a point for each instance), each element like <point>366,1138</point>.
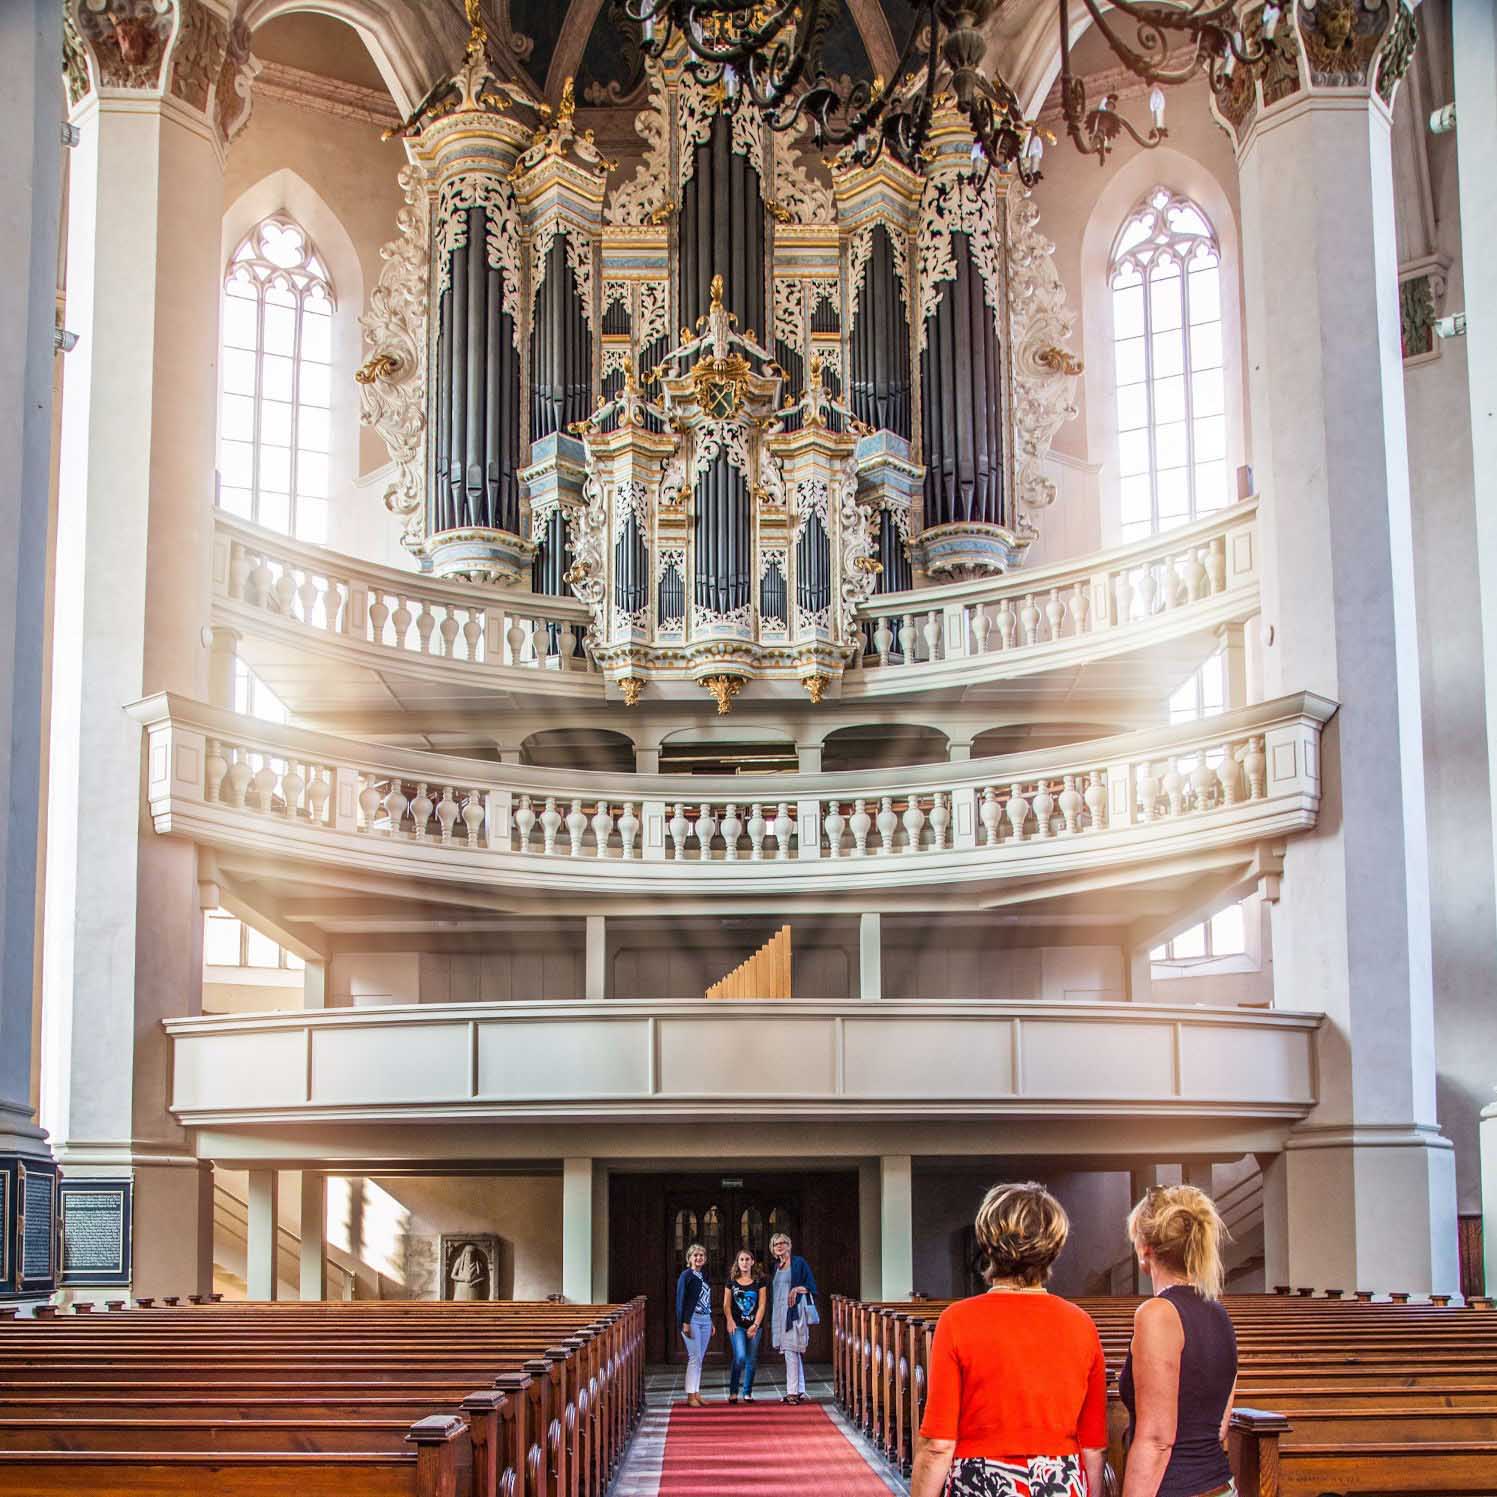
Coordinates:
<point>577,1230</point>
<point>600,1295</point>
<point>596,977</point>
<point>959,751</point>
<point>313,1256</point>
<point>30,43</point>
<point>1276,1221</point>
<point>896,1226</point>
<point>222,660</point>
<point>1370,1180</point>
<point>647,760</point>
<point>261,1236</point>
<point>870,956</point>
<point>870,1224</point>
<point>314,985</point>
<point>808,757</point>
<point>135,494</point>
<point>1140,1182</point>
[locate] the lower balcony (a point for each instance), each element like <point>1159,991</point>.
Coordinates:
<point>635,1061</point>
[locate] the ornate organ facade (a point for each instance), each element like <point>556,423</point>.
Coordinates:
<point>722,399</point>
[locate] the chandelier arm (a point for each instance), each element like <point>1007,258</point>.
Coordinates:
<point>1213,24</point>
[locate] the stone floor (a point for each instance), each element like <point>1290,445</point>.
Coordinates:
<point>639,1476</point>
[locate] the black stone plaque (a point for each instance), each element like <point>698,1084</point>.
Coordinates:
<point>95,1232</point>
<point>38,1202</point>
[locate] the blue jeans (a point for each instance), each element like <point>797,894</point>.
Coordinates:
<point>745,1359</point>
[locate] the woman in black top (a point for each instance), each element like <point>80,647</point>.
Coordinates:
<point>744,1299</point>
<point>1181,1372</point>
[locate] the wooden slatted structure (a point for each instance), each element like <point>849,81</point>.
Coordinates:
<point>388,1399</point>
<point>1334,1395</point>
<point>766,974</point>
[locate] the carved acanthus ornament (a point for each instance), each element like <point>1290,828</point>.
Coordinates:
<point>795,191</point>
<point>1039,324</point>
<point>393,401</point>
<point>646,192</point>
<point>958,204</point>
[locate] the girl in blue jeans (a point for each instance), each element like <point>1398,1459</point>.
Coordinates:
<point>744,1299</point>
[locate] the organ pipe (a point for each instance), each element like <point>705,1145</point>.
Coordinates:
<point>879,343</point>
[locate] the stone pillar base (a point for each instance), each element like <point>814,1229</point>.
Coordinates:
<point>1372,1207</point>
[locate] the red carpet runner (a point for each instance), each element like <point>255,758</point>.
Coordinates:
<point>765,1450</point>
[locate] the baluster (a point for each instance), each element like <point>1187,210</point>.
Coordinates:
<point>860,823</point>
<point>888,824</point>
<point>678,827</point>
<point>783,826</point>
<point>883,637</point>
<point>448,631</point>
<point>285,592</point>
<point>1044,807</point>
<point>1122,593</point>
<point>1078,606</point>
<point>1096,801</point>
<point>524,821</point>
<point>1071,805</point>
<point>1029,619</point>
<point>1148,591</point>
<point>379,613</point>
<point>472,633</point>
<point>264,784</point>
<point>940,822</point>
<point>628,829</point>
<point>550,823</point>
<point>706,829</point>
<point>307,596</point>
<point>1255,765</point>
<point>369,801</point>
<point>421,809</point>
<point>473,816</point>
<point>932,632</point>
<point>319,794</point>
<point>240,568</point>
<point>402,619</point>
<point>732,830</point>
<point>1202,782</point>
<point>236,782</point>
<point>293,784</point>
<point>907,645</point>
<point>756,829</point>
<point>835,824</point>
<point>395,808</point>
<point>914,823</point>
<point>1216,564</point>
<point>991,816</point>
<point>1018,811</point>
<point>1170,585</point>
<point>1007,623</point>
<point>1174,788</point>
<point>447,813</point>
<point>1229,776</point>
<point>261,580</point>
<point>334,600</point>
<point>215,767</point>
<point>566,641</point>
<point>1055,613</point>
<point>576,828</point>
<point>1148,791</point>
<point>515,636</point>
<point>602,828</point>
<point>981,624</point>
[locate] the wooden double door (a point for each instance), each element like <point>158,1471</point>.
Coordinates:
<point>654,1219</point>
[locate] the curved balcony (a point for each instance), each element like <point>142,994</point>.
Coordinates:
<point>636,1060</point>
<point>1112,809</point>
<point>1163,599</point>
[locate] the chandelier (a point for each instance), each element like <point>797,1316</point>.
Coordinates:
<point>771,51</point>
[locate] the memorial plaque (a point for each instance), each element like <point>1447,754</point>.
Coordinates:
<point>95,1232</point>
<point>38,1202</point>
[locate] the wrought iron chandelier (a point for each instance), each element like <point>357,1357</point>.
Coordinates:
<point>771,52</point>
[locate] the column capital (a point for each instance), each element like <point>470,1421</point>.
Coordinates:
<point>194,52</point>
<point>1321,49</point>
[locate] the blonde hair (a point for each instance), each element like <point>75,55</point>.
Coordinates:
<point>695,1247</point>
<point>1021,1229</point>
<point>779,1237</point>
<point>1180,1225</point>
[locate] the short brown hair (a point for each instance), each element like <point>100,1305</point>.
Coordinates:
<point>1181,1226</point>
<point>1021,1229</point>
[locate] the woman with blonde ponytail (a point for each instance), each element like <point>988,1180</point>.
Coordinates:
<point>1181,1372</point>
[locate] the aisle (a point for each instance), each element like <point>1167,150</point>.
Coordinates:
<point>763,1449</point>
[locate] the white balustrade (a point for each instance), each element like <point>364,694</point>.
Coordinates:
<point>1032,609</point>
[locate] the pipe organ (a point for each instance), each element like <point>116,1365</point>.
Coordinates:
<point>723,399</point>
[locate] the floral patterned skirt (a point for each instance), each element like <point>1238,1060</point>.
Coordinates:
<point>1039,1476</point>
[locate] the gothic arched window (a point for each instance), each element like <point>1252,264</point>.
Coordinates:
<point>1165,277</point>
<point>274,417</point>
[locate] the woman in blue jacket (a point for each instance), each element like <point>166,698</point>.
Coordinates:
<point>794,1309</point>
<point>694,1316</point>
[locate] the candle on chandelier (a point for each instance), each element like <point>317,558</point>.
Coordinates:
<point>1156,106</point>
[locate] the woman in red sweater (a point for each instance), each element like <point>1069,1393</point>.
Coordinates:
<point>1017,1401</point>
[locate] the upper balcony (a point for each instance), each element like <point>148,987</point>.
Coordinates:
<point>1125,625</point>
<point>286,805</point>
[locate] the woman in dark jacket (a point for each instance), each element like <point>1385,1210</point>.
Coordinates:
<point>694,1316</point>
<point>793,1306</point>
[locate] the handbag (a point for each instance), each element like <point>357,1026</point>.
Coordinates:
<point>809,1310</point>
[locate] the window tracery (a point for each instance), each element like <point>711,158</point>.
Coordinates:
<point>275,419</point>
